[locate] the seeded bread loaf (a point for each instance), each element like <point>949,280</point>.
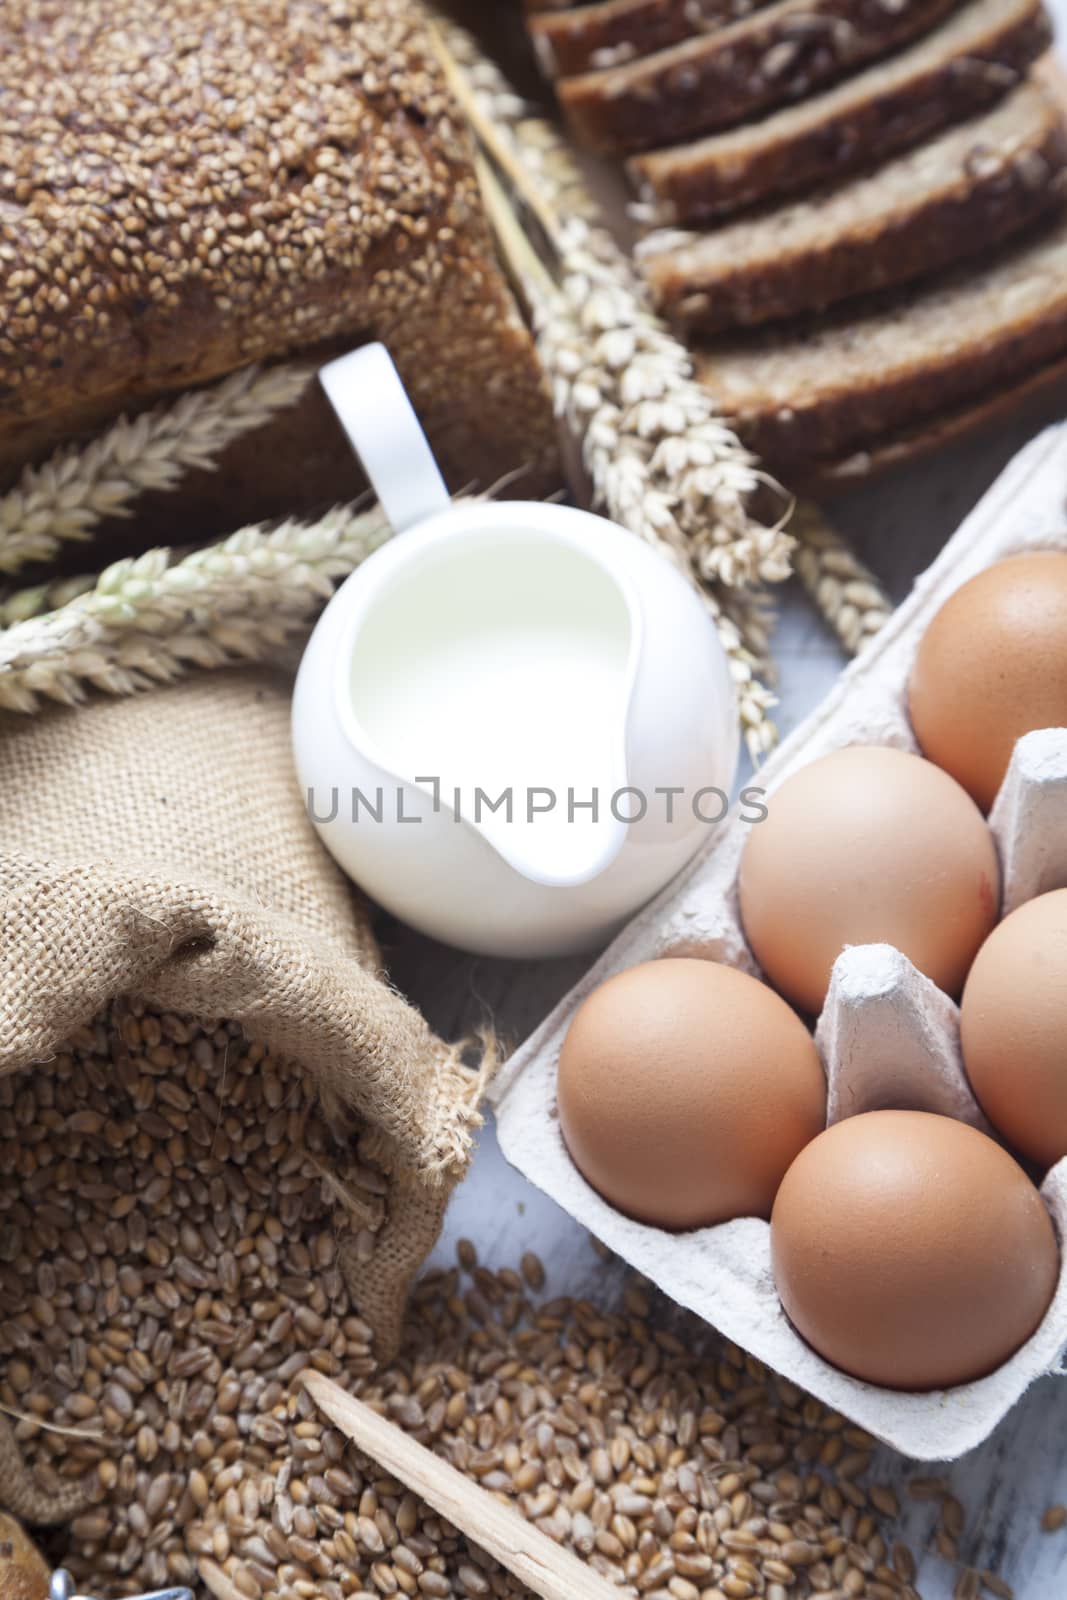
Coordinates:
<point>779,54</point>
<point>605,34</point>
<point>963,192</point>
<point>187,187</point>
<point>836,384</point>
<point>974,56</point>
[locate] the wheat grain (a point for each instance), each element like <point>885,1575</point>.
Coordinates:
<point>19,605</point>
<point>996,1585</point>
<point>952,1519</point>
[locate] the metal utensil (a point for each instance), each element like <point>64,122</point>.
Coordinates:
<point>62,1588</point>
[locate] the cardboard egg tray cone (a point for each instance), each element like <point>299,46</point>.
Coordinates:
<point>887,1035</point>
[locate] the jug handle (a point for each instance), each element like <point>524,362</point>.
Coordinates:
<point>373,408</point>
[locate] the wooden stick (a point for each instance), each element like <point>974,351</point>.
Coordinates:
<point>494,144</point>
<point>528,271</point>
<point>529,1555</point>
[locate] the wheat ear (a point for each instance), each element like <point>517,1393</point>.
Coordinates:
<point>21,604</point>
<point>147,619</point>
<point>845,591</point>
<point>79,487</point>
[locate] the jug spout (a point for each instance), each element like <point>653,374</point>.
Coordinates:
<point>559,837</point>
<point>503,660</point>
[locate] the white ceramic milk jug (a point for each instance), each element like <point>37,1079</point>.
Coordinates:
<point>514,722</point>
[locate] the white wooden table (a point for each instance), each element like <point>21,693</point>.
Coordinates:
<point>898,526</point>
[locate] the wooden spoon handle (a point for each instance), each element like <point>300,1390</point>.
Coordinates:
<point>529,1555</point>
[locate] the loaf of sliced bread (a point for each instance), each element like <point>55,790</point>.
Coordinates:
<point>966,63</point>
<point>965,191</point>
<point>778,54</point>
<point>610,32</point>
<point>831,386</point>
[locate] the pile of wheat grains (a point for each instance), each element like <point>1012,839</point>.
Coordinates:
<point>168,1240</point>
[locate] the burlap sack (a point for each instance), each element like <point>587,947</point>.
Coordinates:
<point>159,847</point>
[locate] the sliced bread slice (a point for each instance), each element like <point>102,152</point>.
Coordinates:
<point>966,63</point>
<point>589,37</point>
<point>779,54</point>
<point>1023,406</point>
<point>965,191</point>
<point>831,386</point>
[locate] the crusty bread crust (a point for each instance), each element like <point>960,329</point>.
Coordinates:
<point>829,387</point>
<point>587,38</point>
<point>777,55</point>
<point>1039,398</point>
<point>190,187</point>
<point>975,56</point>
<point>955,197</point>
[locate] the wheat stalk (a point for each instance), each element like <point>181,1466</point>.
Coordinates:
<point>147,619</point>
<point>845,591</point>
<point>660,461</point>
<point>77,488</point>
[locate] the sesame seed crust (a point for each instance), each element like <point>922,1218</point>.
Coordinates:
<point>187,186</point>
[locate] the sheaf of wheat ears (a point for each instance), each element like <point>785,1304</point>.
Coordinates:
<point>660,461</point>
<point>724,553</point>
<point>663,463</point>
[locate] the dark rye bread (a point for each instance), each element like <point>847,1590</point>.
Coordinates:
<point>821,390</point>
<point>973,57</point>
<point>779,54</point>
<point>967,190</point>
<point>588,37</point>
<point>186,188</point>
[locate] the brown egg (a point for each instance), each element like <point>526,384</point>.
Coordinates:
<point>685,1090</point>
<point>911,1250</point>
<point>867,846</point>
<point>1013,1028</point>
<point>992,666</point>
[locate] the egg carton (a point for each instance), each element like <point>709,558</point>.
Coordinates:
<point>887,1035</point>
